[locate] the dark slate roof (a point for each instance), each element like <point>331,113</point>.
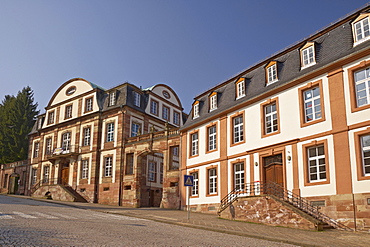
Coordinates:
<point>331,44</point>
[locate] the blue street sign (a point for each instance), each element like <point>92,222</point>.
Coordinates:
<point>188,180</point>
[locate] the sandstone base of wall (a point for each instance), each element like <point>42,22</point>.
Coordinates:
<point>54,192</point>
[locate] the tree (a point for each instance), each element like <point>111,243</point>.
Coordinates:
<point>17,117</point>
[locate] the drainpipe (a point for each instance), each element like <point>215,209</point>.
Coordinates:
<point>120,190</point>
<point>354,211</point>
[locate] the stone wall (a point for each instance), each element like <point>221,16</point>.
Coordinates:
<point>54,192</point>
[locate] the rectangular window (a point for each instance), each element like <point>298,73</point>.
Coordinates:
<point>46,174</point>
<point>312,104</point>
<point>68,112</point>
<point>89,104</point>
<point>161,173</point>
<point>137,99</point>
<point>84,169</point>
<point>87,136</point>
<point>316,163</point>
<point>51,117</point>
<point>272,74</point>
<point>194,144</point>
<point>212,181</point>
<point>239,176</point>
<point>196,110</point>
<point>66,141</point>
<point>135,129</point>
<point>112,99</point>
<point>365,147</point>
<point>362,85</point>
<point>213,102</point>
<point>129,164</point>
<point>110,132</point>
<point>154,107</point>
<point>240,89</point>
<point>36,149</point>
<point>212,138</point>
<point>33,176</point>
<point>108,166</point>
<point>152,172</point>
<point>174,158</point>
<point>271,118</point>
<point>166,113</point>
<point>176,118</point>
<point>238,129</point>
<point>361,29</point>
<point>195,188</point>
<point>48,146</point>
<point>308,56</point>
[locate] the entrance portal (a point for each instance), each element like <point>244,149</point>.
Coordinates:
<point>65,174</point>
<point>273,167</point>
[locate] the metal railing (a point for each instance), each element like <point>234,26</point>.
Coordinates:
<point>273,189</point>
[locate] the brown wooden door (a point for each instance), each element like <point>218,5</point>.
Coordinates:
<point>274,173</point>
<point>65,175</point>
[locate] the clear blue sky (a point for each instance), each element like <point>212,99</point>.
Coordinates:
<point>190,45</point>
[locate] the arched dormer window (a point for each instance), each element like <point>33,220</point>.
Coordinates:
<point>213,101</point>
<point>308,57</point>
<point>361,28</point>
<point>271,72</point>
<point>196,109</point>
<point>240,88</point>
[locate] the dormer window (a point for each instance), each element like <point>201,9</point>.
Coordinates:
<point>308,55</point>
<point>196,109</point>
<point>240,88</point>
<point>213,101</point>
<point>271,72</point>
<point>137,99</point>
<point>360,28</point>
<point>112,98</point>
<point>68,112</point>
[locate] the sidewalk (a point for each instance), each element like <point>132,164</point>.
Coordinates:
<point>213,223</point>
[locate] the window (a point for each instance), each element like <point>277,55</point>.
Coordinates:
<point>176,118</point>
<point>89,104</point>
<point>51,117</point>
<point>129,164</point>
<point>365,150</point>
<point>108,166</point>
<point>239,176</point>
<point>36,149</point>
<point>137,99</point>
<point>238,129</point>
<point>112,99</point>
<point>361,28</point>
<point>240,88</point>
<point>196,110</point>
<point>87,136</point>
<point>85,169</point>
<point>46,174</point>
<point>195,188</point>
<point>154,107</point>
<point>152,173</point>
<point>66,141</point>
<point>48,146</point>
<point>308,55</point>
<point>213,101</point>
<point>212,138</point>
<point>271,72</point>
<point>311,103</point>
<point>135,129</point>
<point>269,111</point>
<point>68,112</point>
<point>161,173</point>
<point>194,144</point>
<point>39,123</point>
<point>212,181</point>
<point>174,158</point>
<point>33,176</point>
<point>362,85</point>
<point>316,163</point>
<point>110,132</point>
<point>166,113</point>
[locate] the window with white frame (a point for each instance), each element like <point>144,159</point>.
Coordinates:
<point>213,101</point>
<point>194,144</point>
<point>51,117</point>
<point>239,176</point>
<point>308,56</point>
<point>36,149</point>
<point>361,29</point>
<point>48,146</point>
<point>108,166</point>
<point>312,104</point>
<point>212,140</point>
<point>110,132</point>
<point>112,98</point>
<point>46,174</point>
<point>196,110</point>
<point>362,85</point>
<point>176,118</point>
<point>84,169</point>
<point>137,99</point>
<point>271,121</point>
<point>240,89</point>
<point>166,113</point>
<point>89,104</point>
<point>195,187</point>
<point>316,163</point>
<point>33,176</point>
<point>212,181</point>
<point>365,146</point>
<point>68,112</point>
<point>152,173</point>
<point>87,136</point>
<point>238,128</point>
<point>272,74</point>
<point>154,107</point>
<point>66,141</point>
<point>135,129</point>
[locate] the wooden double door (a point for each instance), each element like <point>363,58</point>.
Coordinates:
<point>273,169</point>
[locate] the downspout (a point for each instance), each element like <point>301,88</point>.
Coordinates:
<point>120,190</point>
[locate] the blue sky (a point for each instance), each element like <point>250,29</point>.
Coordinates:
<point>190,45</point>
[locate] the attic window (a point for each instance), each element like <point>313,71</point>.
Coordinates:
<point>240,88</point>
<point>308,55</point>
<point>271,73</point>
<point>213,101</point>
<point>71,90</point>
<point>360,28</point>
<point>196,109</point>
<point>112,98</point>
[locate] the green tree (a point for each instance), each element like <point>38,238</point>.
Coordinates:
<point>17,117</point>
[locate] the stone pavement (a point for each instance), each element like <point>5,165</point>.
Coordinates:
<point>213,223</point>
